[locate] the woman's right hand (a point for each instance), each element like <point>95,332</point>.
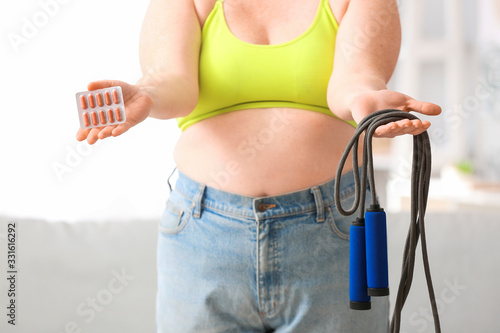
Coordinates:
<point>138,105</point>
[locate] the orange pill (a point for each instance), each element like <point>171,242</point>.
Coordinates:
<point>83,102</point>
<point>86,120</point>
<point>100,102</point>
<point>94,118</point>
<point>107,97</point>
<point>115,97</point>
<point>102,117</point>
<point>91,101</point>
<point>110,116</point>
<point>118,114</point>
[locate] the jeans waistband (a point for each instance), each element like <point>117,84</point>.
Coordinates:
<point>309,199</point>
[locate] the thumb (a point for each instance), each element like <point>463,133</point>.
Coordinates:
<point>104,84</point>
<point>426,108</point>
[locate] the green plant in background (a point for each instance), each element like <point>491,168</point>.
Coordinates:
<point>466,167</point>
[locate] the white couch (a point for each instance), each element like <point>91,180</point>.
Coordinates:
<point>100,277</point>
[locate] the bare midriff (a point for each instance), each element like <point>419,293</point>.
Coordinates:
<point>263,152</point>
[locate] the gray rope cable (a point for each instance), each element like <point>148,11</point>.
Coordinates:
<point>420,178</point>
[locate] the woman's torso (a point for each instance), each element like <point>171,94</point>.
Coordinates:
<point>269,151</point>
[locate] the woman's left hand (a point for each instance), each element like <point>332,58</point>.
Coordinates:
<point>368,102</point>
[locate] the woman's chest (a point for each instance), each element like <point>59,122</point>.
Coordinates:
<point>269,22</point>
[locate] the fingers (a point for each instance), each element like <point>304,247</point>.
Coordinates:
<point>106,132</point>
<point>401,127</point>
<point>101,84</point>
<point>104,84</point>
<point>427,108</point>
<point>93,135</point>
<point>96,133</point>
<point>407,126</point>
<point>121,128</point>
<point>82,134</point>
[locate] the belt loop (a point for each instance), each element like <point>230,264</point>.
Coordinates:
<point>320,208</point>
<point>198,200</point>
<point>168,179</point>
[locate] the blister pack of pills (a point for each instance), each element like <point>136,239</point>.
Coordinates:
<point>101,107</point>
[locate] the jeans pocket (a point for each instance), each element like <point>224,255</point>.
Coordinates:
<point>173,219</point>
<point>339,223</point>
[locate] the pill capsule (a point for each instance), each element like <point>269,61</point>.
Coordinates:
<point>107,97</point>
<point>115,97</point>
<point>91,101</point>
<point>94,118</point>
<point>83,102</point>
<point>99,100</point>
<point>110,116</point>
<point>118,114</point>
<point>86,120</point>
<point>102,117</point>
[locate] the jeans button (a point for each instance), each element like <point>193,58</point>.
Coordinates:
<point>261,207</point>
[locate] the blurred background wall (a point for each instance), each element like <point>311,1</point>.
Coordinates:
<point>451,56</point>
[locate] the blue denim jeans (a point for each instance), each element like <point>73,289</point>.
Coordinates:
<point>233,263</point>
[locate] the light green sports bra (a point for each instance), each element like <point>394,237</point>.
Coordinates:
<point>236,75</point>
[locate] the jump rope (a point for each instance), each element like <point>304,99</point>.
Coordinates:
<point>368,264</point>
